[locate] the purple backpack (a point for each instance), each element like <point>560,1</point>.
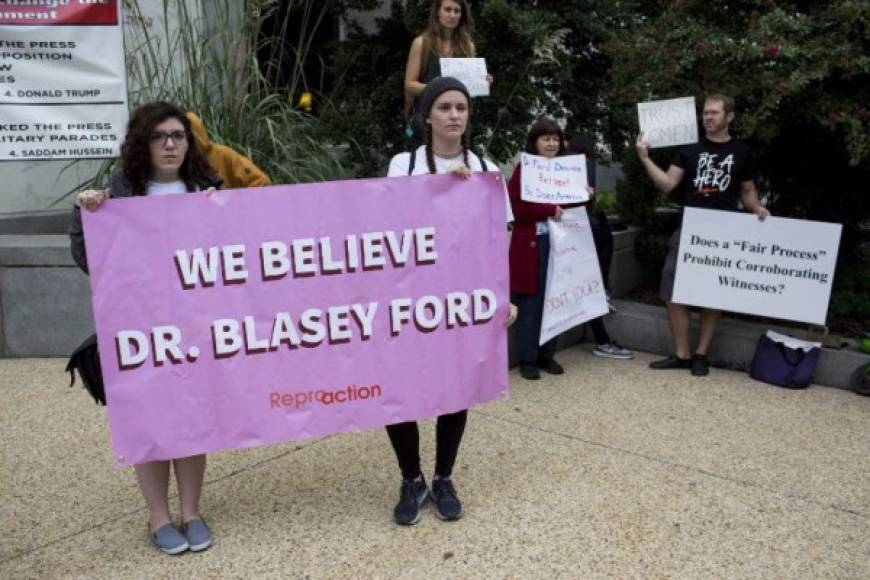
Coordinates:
<point>784,360</point>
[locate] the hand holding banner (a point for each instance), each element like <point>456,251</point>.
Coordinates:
<point>554,179</point>
<point>575,290</point>
<point>668,123</point>
<point>237,319</point>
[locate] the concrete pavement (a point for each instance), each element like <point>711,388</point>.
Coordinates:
<point>609,471</point>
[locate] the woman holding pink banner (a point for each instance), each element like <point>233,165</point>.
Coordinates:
<point>444,111</point>
<point>158,157</point>
<point>529,255</point>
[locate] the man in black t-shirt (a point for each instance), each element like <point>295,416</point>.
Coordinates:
<point>717,173</point>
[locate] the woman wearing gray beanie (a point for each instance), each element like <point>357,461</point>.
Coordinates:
<point>448,34</point>
<point>444,110</point>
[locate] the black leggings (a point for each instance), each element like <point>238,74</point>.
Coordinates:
<point>405,438</point>
<point>599,331</point>
<point>602,235</point>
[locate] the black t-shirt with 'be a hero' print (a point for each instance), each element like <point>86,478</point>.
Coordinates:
<point>714,172</point>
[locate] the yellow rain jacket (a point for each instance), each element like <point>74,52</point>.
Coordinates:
<point>234,169</point>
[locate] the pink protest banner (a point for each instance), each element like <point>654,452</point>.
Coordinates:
<point>258,316</point>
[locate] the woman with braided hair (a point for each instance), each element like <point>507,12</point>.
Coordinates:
<point>444,110</point>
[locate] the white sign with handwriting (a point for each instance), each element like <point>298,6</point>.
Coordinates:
<point>575,290</point>
<point>471,71</point>
<point>668,123</point>
<point>554,179</point>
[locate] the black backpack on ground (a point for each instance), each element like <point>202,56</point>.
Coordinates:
<point>86,360</point>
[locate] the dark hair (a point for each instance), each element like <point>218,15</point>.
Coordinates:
<point>726,100</point>
<point>540,128</point>
<point>580,144</point>
<point>136,154</point>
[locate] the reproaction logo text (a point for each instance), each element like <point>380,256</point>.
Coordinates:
<point>349,394</point>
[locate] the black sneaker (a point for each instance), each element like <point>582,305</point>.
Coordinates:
<point>550,366</point>
<point>672,362</point>
<point>700,365</point>
<point>530,373</point>
<point>412,496</point>
<point>447,505</point>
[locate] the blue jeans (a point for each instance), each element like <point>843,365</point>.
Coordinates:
<point>530,309</point>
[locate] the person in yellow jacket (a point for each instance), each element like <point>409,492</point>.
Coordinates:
<point>234,169</point>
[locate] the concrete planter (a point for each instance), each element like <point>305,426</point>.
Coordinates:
<point>45,300</point>
<point>645,327</point>
<point>626,273</point>
<point>45,309</point>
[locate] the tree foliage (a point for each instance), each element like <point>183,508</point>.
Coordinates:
<point>800,72</point>
<point>526,52</point>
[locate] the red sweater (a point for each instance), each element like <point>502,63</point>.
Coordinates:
<point>524,243</point>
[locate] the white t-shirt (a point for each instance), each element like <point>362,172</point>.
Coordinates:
<point>400,163</point>
<point>166,188</point>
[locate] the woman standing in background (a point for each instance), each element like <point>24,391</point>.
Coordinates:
<point>448,35</point>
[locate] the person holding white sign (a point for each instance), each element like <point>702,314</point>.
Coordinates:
<point>448,34</point>
<point>444,109</point>
<point>716,173</point>
<point>158,157</point>
<point>529,255</point>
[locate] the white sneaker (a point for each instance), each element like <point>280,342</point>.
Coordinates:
<point>612,350</point>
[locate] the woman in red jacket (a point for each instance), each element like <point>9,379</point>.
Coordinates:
<point>529,254</point>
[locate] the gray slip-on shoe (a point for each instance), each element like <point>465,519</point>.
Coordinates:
<point>169,540</point>
<point>198,535</point>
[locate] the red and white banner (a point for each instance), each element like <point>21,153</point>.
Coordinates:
<point>63,87</point>
<point>81,12</point>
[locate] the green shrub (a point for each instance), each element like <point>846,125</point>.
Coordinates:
<point>801,77</point>
<point>215,72</point>
<point>525,50</point>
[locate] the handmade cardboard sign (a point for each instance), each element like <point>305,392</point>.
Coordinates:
<point>575,290</point>
<point>554,179</point>
<point>668,123</point>
<point>471,71</point>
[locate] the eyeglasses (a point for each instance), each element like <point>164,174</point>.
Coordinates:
<point>178,137</point>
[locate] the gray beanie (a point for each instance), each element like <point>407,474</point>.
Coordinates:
<point>432,91</point>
